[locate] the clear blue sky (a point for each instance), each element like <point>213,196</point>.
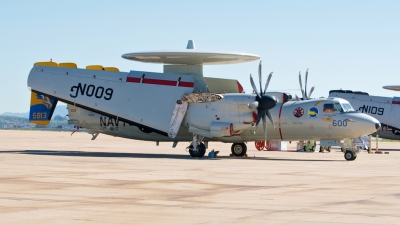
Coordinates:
<point>345,44</point>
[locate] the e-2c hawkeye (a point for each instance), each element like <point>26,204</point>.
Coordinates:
<point>178,105</point>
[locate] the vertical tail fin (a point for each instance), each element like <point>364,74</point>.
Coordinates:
<point>42,108</point>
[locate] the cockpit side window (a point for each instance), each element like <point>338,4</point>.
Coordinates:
<point>339,107</point>
<point>329,108</point>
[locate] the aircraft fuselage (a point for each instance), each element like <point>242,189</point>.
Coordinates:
<point>294,120</point>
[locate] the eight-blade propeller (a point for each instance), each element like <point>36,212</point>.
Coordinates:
<point>263,102</point>
<point>304,91</point>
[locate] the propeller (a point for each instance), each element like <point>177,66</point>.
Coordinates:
<point>306,95</point>
<point>263,103</point>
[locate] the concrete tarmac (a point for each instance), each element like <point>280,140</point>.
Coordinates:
<point>56,178</point>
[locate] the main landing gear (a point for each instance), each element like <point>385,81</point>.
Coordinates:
<point>239,149</point>
<point>197,148</point>
<point>199,151</point>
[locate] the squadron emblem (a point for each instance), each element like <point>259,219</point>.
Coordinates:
<point>298,112</point>
<point>313,112</point>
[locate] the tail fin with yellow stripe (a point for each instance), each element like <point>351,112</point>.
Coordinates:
<point>42,108</point>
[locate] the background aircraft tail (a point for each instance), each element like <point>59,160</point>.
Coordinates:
<point>42,108</point>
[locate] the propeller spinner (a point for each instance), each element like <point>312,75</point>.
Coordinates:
<point>263,102</point>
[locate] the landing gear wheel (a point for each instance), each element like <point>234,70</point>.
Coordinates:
<point>200,152</point>
<point>239,149</point>
<point>350,155</point>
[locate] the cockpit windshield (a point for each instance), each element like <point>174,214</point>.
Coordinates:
<point>336,107</point>
<point>339,107</point>
<point>332,108</point>
<point>347,107</point>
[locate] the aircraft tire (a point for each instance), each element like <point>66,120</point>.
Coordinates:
<point>239,149</point>
<point>200,152</point>
<point>350,155</point>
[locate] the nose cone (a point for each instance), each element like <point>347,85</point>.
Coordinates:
<point>363,124</point>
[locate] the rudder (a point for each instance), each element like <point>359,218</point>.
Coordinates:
<point>42,108</point>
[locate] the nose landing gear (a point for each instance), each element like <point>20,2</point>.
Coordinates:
<point>350,155</point>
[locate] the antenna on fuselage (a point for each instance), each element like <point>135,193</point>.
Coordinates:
<point>191,45</point>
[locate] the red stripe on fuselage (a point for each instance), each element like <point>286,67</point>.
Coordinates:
<point>396,102</point>
<point>133,79</point>
<point>186,84</point>
<point>159,82</point>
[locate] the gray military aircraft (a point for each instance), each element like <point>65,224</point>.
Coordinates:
<point>384,109</point>
<point>177,105</point>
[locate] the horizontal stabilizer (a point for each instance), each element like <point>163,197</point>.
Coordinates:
<point>42,108</point>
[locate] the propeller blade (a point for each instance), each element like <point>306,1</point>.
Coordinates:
<point>254,86</point>
<point>253,105</point>
<point>259,77</point>
<point>296,97</point>
<point>264,120</point>
<point>267,82</point>
<point>301,85</point>
<point>311,91</point>
<point>305,85</point>
<point>259,115</point>
<point>270,118</point>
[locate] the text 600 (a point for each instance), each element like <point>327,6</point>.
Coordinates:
<point>339,123</point>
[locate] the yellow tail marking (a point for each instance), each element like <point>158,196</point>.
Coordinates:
<point>53,64</point>
<point>68,65</point>
<point>95,67</point>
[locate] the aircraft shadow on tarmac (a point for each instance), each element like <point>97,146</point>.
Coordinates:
<point>147,155</point>
<point>388,149</point>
